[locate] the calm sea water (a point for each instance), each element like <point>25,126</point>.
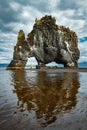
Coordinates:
<point>43,100</point>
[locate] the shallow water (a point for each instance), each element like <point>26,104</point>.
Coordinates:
<point>43,100</point>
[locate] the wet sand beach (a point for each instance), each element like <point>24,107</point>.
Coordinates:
<point>60,69</point>
<point>43,99</point>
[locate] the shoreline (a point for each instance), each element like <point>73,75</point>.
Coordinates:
<point>60,69</point>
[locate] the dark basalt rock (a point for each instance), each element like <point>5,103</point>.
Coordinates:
<point>47,42</point>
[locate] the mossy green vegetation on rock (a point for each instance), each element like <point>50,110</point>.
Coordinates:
<point>21,37</point>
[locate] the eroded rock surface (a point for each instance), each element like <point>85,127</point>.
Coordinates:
<point>47,42</point>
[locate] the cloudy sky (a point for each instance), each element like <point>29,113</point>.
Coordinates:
<point>21,14</point>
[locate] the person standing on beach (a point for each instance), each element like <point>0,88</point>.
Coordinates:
<point>31,65</point>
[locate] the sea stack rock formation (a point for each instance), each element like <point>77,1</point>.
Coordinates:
<point>47,42</point>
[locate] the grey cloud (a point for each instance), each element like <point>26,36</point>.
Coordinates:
<point>4,28</point>
<point>68,4</point>
<point>7,15</point>
<point>78,6</point>
<point>41,5</point>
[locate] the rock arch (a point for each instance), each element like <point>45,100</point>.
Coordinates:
<point>47,42</point>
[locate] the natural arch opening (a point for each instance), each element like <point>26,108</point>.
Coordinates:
<point>31,63</point>
<point>54,65</point>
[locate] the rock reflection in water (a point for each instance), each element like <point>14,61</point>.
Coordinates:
<point>47,94</point>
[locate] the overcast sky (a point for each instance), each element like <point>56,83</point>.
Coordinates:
<point>21,14</point>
